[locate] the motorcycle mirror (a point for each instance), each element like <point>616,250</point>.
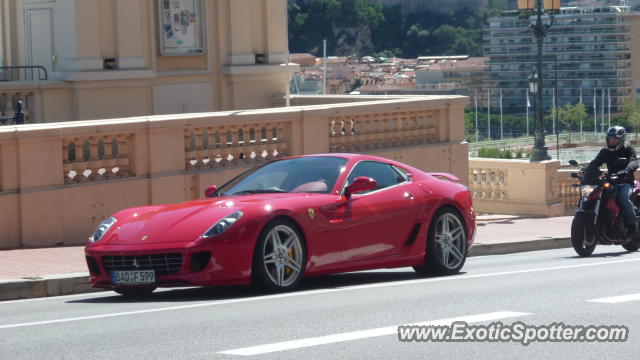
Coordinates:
<point>573,163</point>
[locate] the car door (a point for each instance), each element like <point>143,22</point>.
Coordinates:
<point>378,223</point>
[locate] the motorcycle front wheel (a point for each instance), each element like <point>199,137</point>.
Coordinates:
<point>583,237</point>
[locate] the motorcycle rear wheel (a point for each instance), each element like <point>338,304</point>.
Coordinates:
<point>631,247</point>
<point>583,238</point>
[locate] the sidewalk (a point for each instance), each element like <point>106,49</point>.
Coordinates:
<point>28,273</point>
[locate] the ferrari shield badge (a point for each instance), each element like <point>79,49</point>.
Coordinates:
<point>312,213</point>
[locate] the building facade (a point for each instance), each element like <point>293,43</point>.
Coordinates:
<point>94,59</point>
<point>596,49</point>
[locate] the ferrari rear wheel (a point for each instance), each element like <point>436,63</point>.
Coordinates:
<point>135,291</point>
<point>280,257</point>
<point>446,244</point>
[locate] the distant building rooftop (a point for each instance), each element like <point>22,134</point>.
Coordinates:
<point>474,63</point>
<point>436,58</point>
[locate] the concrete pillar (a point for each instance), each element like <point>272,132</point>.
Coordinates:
<point>240,42</point>
<point>276,31</point>
<point>77,35</point>
<point>88,35</point>
<point>129,20</point>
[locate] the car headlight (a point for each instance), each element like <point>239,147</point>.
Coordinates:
<point>222,225</point>
<point>102,229</point>
<point>586,190</point>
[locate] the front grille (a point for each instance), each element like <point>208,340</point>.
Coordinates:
<point>162,264</point>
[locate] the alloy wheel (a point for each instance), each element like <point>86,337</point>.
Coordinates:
<point>282,255</point>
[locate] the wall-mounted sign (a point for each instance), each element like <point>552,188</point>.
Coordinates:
<point>181,27</point>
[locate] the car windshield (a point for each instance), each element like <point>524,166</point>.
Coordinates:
<point>315,174</point>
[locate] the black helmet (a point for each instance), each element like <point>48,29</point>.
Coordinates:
<point>615,137</point>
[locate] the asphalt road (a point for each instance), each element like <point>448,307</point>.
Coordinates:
<point>344,316</point>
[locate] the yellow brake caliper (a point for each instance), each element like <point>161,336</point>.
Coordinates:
<point>287,269</point>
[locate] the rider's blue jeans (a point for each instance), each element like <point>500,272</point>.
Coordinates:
<point>624,201</point>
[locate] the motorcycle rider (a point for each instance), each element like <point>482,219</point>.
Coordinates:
<point>612,154</point>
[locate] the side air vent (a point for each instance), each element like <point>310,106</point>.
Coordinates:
<point>413,235</point>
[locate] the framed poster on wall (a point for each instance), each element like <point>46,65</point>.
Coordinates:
<point>181,27</point>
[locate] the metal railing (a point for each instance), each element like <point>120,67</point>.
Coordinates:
<point>28,72</point>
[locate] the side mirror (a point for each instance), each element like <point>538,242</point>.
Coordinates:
<point>573,163</point>
<point>210,191</point>
<point>361,184</point>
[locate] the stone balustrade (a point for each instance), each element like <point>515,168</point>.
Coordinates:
<point>515,187</point>
<point>59,180</point>
<point>378,131</point>
<point>96,158</point>
<point>232,145</point>
<point>521,188</point>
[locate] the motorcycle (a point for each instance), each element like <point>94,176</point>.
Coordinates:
<point>598,218</point>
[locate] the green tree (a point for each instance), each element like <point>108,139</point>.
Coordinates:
<point>569,116</point>
<point>417,40</point>
<point>631,113</point>
<point>469,126</point>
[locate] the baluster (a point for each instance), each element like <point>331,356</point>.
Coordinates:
<point>189,151</point>
<point>245,145</point>
<point>216,148</point>
<point>199,149</point>
<point>231,156</point>
<point>67,162</point>
<point>123,156</point>
<point>332,135</point>
<point>251,142</point>
<point>81,163</point>
<point>109,161</point>
<point>375,132</point>
<point>282,146</point>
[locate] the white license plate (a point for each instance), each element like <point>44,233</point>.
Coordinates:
<point>133,277</point>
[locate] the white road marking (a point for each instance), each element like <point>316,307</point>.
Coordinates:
<point>96,294</point>
<point>93,295</point>
<point>362,334</point>
<point>617,299</point>
<point>323,291</point>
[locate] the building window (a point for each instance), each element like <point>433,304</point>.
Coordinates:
<point>181,27</point>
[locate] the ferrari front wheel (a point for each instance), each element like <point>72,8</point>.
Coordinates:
<point>446,244</point>
<point>280,256</point>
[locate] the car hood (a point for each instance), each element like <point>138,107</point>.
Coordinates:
<point>182,222</point>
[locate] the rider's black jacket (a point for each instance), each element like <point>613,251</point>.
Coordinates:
<point>606,156</point>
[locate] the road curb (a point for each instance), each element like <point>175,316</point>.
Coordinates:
<point>520,246</point>
<point>78,283</point>
<point>50,285</point>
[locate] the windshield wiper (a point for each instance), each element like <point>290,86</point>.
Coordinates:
<point>260,191</point>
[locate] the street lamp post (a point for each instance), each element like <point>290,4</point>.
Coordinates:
<point>539,31</point>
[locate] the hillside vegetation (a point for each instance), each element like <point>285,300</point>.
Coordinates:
<point>357,27</point>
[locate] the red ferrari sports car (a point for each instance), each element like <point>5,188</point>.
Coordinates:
<point>290,218</point>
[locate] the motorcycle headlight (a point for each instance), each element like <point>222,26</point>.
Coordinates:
<point>102,229</point>
<point>223,225</point>
<point>586,190</point>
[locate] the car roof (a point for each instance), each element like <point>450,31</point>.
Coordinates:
<point>349,156</point>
